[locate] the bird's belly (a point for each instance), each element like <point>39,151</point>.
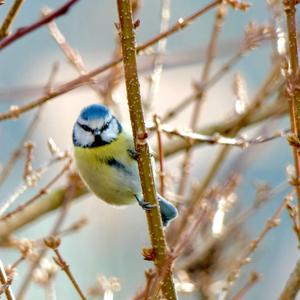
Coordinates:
<point>114,186</point>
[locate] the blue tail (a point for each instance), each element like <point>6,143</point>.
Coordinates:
<point>168,211</point>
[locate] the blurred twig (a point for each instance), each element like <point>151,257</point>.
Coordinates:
<point>160,154</point>
<point>263,194</point>
<point>255,34</point>
<point>256,103</point>
<point>40,193</point>
<point>63,198</point>
<point>233,126</point>
<point>171,59</point>
<point>15,111</point>
<point>245,257</point>
<point>165,7</point>
<point>72,55</point>
<point>199,98</point>
<point>36,210</point>
<point>253,279</point>
<point>16,154</point>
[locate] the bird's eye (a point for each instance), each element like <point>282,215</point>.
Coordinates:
<point>105,126</point>
<point>85,127</point>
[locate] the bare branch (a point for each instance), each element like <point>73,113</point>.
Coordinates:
<point>25,30</point>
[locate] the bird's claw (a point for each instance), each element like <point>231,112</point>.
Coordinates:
<point>144,205</point>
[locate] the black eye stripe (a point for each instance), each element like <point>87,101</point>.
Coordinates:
<point>89,129</point>
<point>85,127</point>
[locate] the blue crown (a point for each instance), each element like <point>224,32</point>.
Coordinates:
<point>94,111</point>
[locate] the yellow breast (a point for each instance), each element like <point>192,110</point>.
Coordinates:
<point>102,169</point>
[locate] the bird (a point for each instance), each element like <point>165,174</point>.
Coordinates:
<point>106,160</point>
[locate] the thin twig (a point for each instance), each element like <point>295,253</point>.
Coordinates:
<point>160,154</point>
<point>245,257</point>
<point>165,7</point>
<point>28,161</point>
<point>259,35</point>
<point>53,243</point>
<point>37,209</point>
<point>200,95</point>
<point>15,111</point>
<point>253,279</point>
<point>275,110</point>
<point>12,13</point>
<point>64,197</point>
<point>41,192</point>
<point>31,180</point>
<point>53,200</point>
<point>16,154</point>
<point>62,10</point>
<point>72,55</point>
<point>17,262</point>
<point>261,199</point>
<point>222,140</point>
<point>181,24</point>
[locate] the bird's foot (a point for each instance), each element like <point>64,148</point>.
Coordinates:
<point>143,204</point>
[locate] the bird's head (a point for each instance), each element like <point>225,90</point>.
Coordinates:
<point>95,127</point>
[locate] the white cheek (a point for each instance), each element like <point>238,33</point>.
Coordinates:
<point>82,137</point>
<point>111,132</point>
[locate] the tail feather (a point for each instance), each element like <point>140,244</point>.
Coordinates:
<point>168,211</point>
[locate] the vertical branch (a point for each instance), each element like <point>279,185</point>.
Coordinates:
<point>293,91</point>
<point>4,30</point>
<point>140,139</point>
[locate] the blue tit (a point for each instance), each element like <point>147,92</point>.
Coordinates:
<point>107,162</point>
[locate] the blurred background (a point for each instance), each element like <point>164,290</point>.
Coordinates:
<point>112,241</point>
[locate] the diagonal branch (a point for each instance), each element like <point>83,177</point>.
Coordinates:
<point>43,21</point>
<point>15,112</point>
<point>293,285</point>
<point>4,30</point>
